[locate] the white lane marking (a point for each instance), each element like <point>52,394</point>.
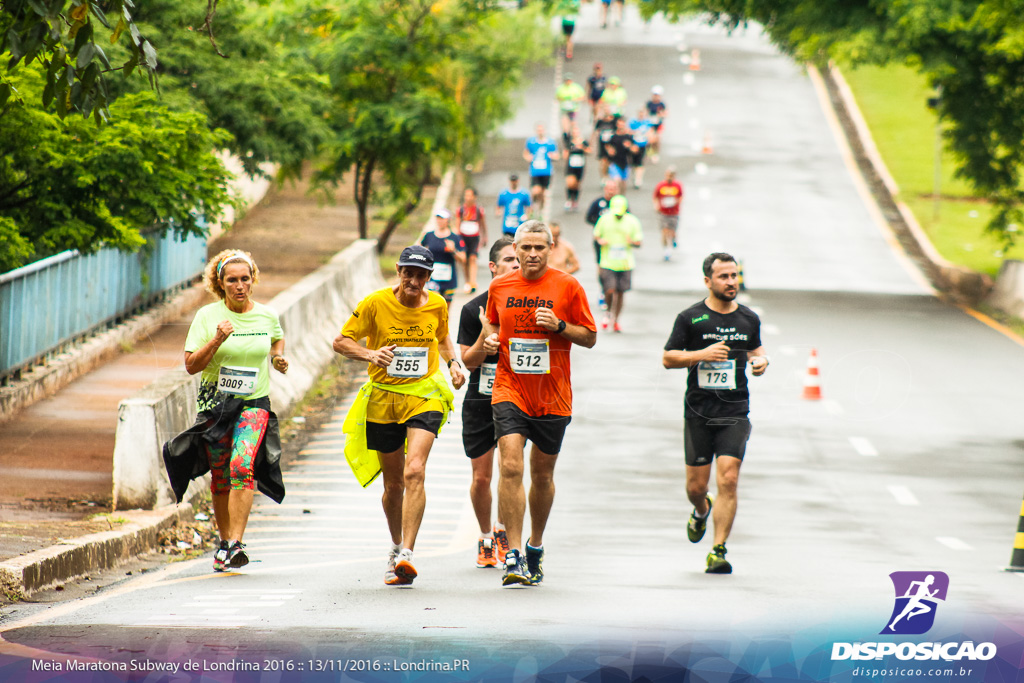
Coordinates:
<point>903,495</point>
<point>688,78</point>
<point>832,407</point>
<point>710,221</point>
<point>704,193</point>
<point>953,543</point>
<point>684,59</point>
<point>691,101</point>
<point>701,168</point>
<point>787,350</point>
<point>770,329</point>
<point>863,446</point>
<point>694,123</point>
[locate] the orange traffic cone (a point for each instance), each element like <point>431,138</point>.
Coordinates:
<point>812,389</point>
<point>706,149</point>
<point>695,60</point>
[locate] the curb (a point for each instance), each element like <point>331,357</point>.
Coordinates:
<point>963,284</point>
<point>23,575</point>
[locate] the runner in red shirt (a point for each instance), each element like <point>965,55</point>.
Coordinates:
<point>668,199</point>
<point>539,313</point>
<point>471,224</point>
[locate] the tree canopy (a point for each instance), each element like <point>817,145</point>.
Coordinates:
<point>417,82</point>
<point>972,51</point>
<point>387,90</point>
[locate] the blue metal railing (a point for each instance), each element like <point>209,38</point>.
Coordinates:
<point>49,303</point>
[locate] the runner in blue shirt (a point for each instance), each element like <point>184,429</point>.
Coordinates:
<point>512,205</point>
<point>641,128</point>
<point>540,151</point>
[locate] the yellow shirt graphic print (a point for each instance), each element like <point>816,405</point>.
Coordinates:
<point>382,320</point>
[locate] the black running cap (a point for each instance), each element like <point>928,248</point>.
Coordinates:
<point>416,256</point>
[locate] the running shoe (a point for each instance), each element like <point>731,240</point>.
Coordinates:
<point>568,205</point>
<point>237,557</point>
<point>515,570</point>
<point>485,553</point>
<point>403,566</point>
<point>617,327</point>
<point>604,323</point>
<point>696,527</point>
<point>717,564</point>
<point>602,304</point>
<point>501,546</point>
<point>534,560</point>
<point>220,558</point>
<point>467,289</point>
<point>390,577</point>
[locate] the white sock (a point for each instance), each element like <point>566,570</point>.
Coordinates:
<point>498,526</point>
<point>489,535</point>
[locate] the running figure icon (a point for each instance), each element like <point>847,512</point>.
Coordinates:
<point>917,592</point>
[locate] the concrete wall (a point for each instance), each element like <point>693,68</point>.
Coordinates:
<point>312,312</point>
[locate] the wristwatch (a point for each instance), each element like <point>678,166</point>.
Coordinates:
<point>561,327</point>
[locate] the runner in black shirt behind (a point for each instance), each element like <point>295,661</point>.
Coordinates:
<point>478,436</point>
<point>714,339</point>
<point>620,149</point>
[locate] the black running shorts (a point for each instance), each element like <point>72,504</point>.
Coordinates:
<point>388,437</point>
<point>546,431</point>
<point>477,430</point>
<point>472,244</point>
<point>706,438</point>
<point>542,180</point>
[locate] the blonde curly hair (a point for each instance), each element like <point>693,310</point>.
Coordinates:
<point>211,273</point>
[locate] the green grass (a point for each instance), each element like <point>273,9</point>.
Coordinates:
<point>893,100</point>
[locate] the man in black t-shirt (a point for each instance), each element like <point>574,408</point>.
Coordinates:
<point>478,437</point>
<point>620,150</point>
<point>594,212</point>
<point>714,339</point>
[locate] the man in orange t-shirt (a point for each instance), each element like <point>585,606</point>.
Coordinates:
<point>539,312</point>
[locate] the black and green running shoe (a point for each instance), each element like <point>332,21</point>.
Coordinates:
<point>717,564</point>
<point>696,527</point>
<point>534,567</point>
<point>515,573</point>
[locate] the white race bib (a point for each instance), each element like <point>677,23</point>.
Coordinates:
<point>409,361</point>
<point>529,356</point>
<point>469,228</point>
<point>237,380</point>
<point>716,374</point>
<point>488,371</point>
<point>668,202</point>
<point>442,272</point>
<point>540,161</point>
<point>576,160</point>
<point>618,253</point>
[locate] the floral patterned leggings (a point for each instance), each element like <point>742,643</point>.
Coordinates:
<point>232,458</point>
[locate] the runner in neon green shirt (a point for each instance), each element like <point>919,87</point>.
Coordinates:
<point>570,96</point>
<point>614,96</point>
<point>618,233</point>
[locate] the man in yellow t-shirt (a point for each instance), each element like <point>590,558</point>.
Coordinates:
<point>406,328</point>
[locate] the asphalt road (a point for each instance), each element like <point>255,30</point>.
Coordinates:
<point>910,462</point>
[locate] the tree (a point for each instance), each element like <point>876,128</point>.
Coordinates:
<point>270,99</point>
<point>973,50</point>
<point>415,83</point>
<point>61,36</point>
<point>70,184</point>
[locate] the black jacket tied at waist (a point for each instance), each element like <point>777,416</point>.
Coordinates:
<point>186,458</point>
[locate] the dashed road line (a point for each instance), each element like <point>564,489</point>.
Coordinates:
<point>863,446</point>
<point>903,495</point>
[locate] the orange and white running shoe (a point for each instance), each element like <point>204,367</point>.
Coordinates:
<point>485,553</point>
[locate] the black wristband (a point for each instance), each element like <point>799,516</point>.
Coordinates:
<point>561,327</point>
